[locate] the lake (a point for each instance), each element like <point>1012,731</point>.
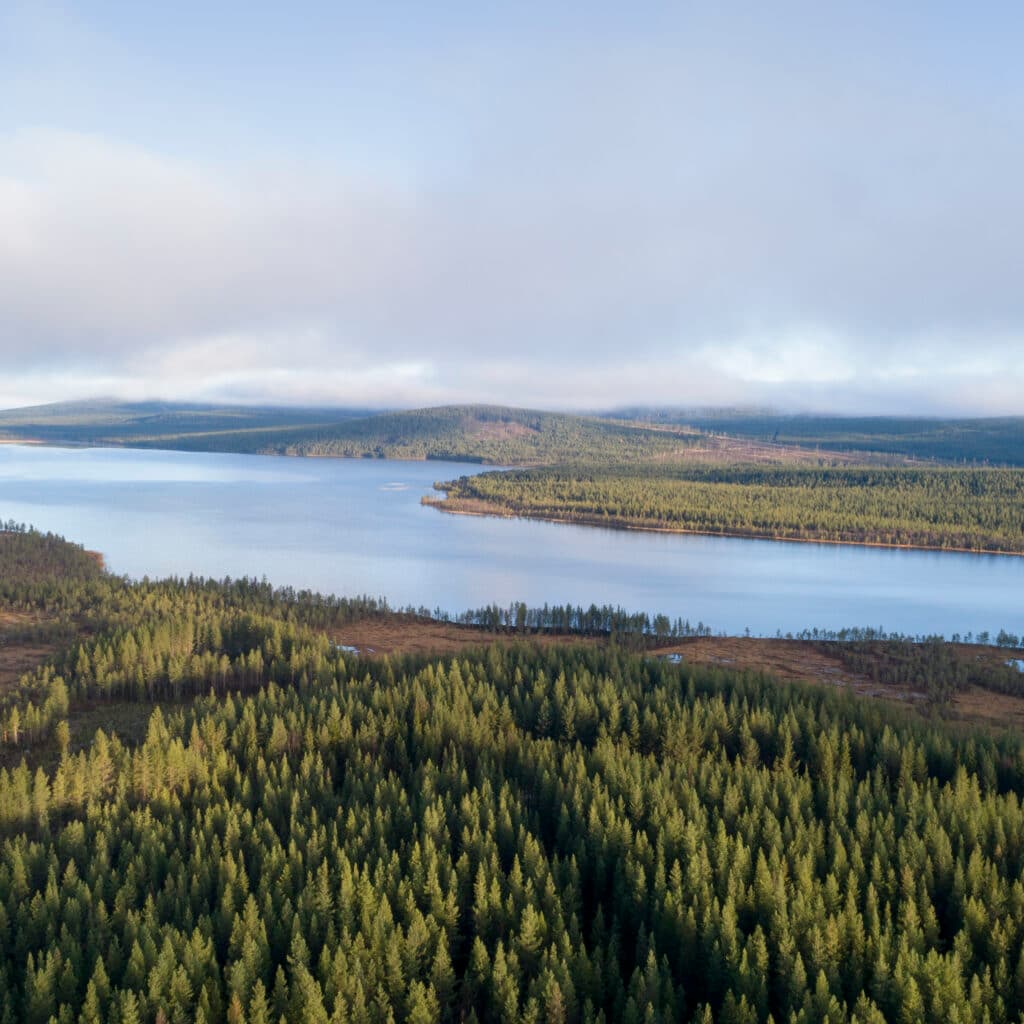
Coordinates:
<point>357,527</point>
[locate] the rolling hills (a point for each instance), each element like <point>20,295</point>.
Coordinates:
<point>492,435</point>
<point>997,441</point>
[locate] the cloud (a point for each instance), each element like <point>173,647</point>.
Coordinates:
<point>684,221</point>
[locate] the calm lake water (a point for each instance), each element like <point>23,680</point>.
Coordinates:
<point>357,527</point>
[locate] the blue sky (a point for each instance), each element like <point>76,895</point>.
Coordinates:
<point>805,205</point>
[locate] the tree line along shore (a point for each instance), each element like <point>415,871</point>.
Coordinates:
<point>939,508</point>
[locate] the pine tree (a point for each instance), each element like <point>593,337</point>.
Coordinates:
<point>129,1008</point>
<point>423,1004</point>
<point>442,975</point>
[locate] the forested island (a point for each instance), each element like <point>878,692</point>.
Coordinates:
<point>214,808</point>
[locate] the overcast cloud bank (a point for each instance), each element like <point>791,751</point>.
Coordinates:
<point>811,213</point>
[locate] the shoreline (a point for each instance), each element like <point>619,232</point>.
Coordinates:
<point>497,512</point>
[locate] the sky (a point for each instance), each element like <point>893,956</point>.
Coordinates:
<point>815,207</point>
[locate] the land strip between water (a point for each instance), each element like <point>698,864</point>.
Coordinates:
<point>948,509</point>
<point>476,507</point>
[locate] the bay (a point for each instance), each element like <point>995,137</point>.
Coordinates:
<point>357,527</point>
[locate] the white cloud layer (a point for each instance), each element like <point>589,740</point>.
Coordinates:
<point>647,222</point>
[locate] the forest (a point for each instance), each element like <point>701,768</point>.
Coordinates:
<point>931,666</point>
<point>964,509</point>
<point>519,833</point>
<point>491,435</point>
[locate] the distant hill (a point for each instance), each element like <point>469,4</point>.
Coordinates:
<point>108,422</point>
<point>996,441</point>
<point>501,436</point>
<point>492,435</point>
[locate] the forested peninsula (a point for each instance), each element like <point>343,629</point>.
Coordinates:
<point>939,508</point>
<point>520,831</point>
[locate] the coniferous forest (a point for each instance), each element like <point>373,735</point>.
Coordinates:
<point>516,833</point>
<point>968,509</point>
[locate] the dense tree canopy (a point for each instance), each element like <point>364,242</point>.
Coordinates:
<point>520,833</point>
<point>978,509</point>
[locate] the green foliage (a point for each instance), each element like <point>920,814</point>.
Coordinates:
<point>176,639</point>
<point>34,561</point>
<point>933,666</point>
<point>420,849</point>
<point>977,509</point>
<point>166,640</point>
